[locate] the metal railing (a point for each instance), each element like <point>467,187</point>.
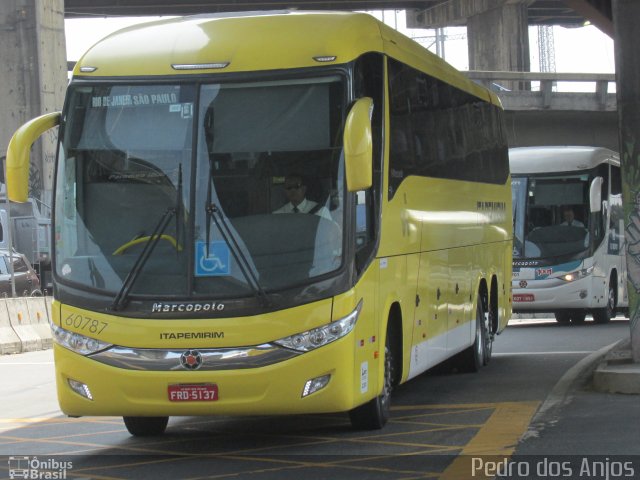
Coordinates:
<point>541,90</point>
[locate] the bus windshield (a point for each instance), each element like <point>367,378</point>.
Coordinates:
<point>176,185</point>
<point>550,216</point>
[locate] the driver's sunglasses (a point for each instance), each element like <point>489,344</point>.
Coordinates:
<point>293,187</point>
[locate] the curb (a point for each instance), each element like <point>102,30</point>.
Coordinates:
<point>617,373</point>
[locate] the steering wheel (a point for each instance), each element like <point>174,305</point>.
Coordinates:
<point>136,241</point>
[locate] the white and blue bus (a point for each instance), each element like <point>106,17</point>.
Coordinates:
<point>568,255</point>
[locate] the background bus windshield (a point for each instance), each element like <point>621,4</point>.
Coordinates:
<point>551,215</point>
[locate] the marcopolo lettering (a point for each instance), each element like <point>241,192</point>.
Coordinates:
<point>186,307</point>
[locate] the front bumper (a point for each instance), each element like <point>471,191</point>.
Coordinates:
<point>552,294</point>
<point>272,389</point>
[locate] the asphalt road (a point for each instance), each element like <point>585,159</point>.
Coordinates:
<point>441,421</point>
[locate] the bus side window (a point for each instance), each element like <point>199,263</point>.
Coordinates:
<point>362,222</point>
<point>401,152</point>
<point>365,227</point>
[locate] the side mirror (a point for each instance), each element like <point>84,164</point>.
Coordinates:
<point>18,153</point>
<point>358,146</point>
<point>595,195</point>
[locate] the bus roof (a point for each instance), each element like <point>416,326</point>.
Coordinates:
<point>257,41</point>
<point>523,160</point>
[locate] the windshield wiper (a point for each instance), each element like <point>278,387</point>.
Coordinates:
<point>154,238</point>
<point>120,299</point>
<point>213,212</point>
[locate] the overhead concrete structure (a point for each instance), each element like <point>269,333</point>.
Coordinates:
<point>567,13</point>
<point>498,40</point>
<point>540,12</point>
<point>497,32</point>
<point>597,12</point>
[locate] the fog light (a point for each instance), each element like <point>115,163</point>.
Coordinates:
<point>80,388</point>
<point>315,384</point>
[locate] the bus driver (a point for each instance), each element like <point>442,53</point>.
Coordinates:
<point>295,191</point>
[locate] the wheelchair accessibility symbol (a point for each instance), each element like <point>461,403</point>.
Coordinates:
<point>215,263</point>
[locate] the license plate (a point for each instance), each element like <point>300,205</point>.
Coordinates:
<point>201,392</point>
<point>523,297</point>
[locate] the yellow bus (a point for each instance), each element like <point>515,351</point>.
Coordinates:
<point>179,292</point>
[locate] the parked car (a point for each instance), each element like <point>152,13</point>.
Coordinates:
<point>26,280</point>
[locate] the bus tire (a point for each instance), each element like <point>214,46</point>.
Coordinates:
<point>604,315</point>
<point>478,354</point>
<point>578,316</point>
<point>374,414</point>
<point>563,317</point>
<point>146,426</point>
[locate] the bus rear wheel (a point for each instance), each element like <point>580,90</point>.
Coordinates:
<point>479,353</point>
<point>146,426</point>
<point>374,414</point>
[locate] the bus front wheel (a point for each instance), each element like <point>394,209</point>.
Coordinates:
<point>604,315</point>
<point>146,426</point>
<point>576,317</point>
<point>374,414</point>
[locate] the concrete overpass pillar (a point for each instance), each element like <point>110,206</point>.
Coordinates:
<point>33,77</point>
<point>498,40</point>
<point>497,31</point>
<point>627,37</point>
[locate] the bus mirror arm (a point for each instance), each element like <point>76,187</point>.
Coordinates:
<point>595,195</point>
<point>358,146</point>
<point>17,163</point>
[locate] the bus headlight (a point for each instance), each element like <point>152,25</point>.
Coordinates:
<point>577,275</point>
<point>318,337</point>
<point>76,342</point>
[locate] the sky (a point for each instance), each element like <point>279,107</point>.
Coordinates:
<point>580,50</point>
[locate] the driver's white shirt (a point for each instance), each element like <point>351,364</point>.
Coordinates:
<point>305,206</point>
